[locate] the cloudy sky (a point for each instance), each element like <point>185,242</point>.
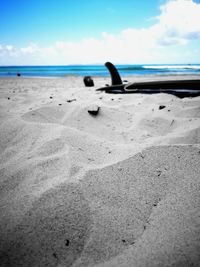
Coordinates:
<point>62,32</point>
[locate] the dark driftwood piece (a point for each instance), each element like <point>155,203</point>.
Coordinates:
<point>180,88</point>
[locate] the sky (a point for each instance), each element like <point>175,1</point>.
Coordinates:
<point>62,32</point>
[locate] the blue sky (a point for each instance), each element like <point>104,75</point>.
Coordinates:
<point>49,20</point>
<point>93,31</point>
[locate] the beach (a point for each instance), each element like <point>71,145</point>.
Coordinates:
<point>120,188</point>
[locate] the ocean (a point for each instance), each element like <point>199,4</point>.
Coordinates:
<point>98,70</point>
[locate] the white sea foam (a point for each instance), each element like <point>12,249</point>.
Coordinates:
<point>196,67</point>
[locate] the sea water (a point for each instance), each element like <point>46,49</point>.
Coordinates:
<point>98,70</point>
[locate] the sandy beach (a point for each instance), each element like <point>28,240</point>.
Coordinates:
<point>118,189</point>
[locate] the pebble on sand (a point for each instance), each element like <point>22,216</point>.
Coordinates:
<point>162,106</point>
<point>93,110</point>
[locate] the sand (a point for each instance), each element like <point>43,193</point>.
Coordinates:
<point>118,189</point>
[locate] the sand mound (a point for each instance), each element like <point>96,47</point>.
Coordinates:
<point>105,190</point>
<point>45,115</point>
<point>54,230</point>
<point>159,181</point>
<point>156,126</point>
<point>188,137</point>
<point>105,214</point>
<point>190,113</point>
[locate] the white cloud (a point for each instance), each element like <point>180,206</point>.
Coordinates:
<point>178,22</point>
<point>30,49</point>
<point>9,47</point>
<point>8,51</point>
<point>168,40</point>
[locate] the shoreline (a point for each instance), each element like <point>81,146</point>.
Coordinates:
<point>105,76</point>
<point>145,76</point>
<point>128,79</point>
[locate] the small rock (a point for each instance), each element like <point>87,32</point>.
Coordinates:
<point>88,81</point>
<point>60,104</point>
<point>158,172</point>
<point>71,100</point>
<point>141,155</point>
<point>8,98</point>
<point>90,159</point>
<point>162,106</point>
<point>55,255</point>
<point>67,242</point>
<point>93,110</point>
<point>51,97</point>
